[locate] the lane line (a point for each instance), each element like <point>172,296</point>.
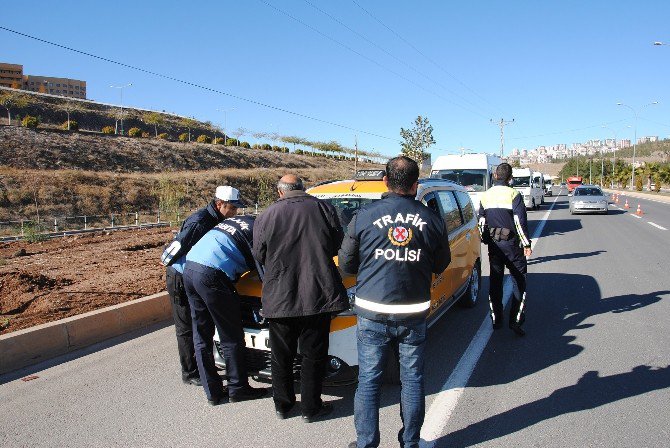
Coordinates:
<point>442,407</point>
<point>635,216</point>
<point>656,225</point>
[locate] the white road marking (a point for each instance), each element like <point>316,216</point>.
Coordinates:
<point>657,226</point>
<point>635,216</point>
<point>445,401</point>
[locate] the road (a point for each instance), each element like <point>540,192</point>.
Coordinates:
<point>594,369</point>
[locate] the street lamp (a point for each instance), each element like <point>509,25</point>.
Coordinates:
<point>225,111</point>
<point>661,43</point>
<point>121,90</point>
<point>614,158</point>
<point>636,113</point>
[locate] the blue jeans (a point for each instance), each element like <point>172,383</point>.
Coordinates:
<point>376,341</point>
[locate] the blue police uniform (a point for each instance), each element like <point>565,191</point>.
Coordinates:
<point>174,257</point>
<point>212,267</point>
<point>503,227</point>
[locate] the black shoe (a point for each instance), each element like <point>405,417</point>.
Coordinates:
<point>326,408</point>
<point>216,401</point>
<point>352,445</point>
<point>283,415</point>
<point>195,381</point>
<point>248,393</point>
<point>517,329</point>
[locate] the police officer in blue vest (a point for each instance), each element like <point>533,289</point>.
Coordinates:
<point>503,227</point>
<point>212,267</point>
<point>174,256</point>
<point>394,245</point>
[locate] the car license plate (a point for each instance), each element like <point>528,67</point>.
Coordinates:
<point>258,339</point>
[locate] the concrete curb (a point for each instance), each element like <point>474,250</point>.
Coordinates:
<point>32,345</point>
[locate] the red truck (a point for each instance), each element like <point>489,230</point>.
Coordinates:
<point>573,182</point>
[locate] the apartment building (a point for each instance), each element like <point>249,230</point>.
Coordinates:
<point>11,75</point>
<point>72,88</point>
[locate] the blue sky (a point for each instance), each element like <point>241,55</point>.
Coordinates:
<point>557,68</point>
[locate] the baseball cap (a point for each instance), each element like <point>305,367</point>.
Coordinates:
<point>229,194</point>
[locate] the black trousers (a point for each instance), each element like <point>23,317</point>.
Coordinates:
<point>311,335</point>
<point>506,254</point>
<point>183,325</point>
<point>215,305</point>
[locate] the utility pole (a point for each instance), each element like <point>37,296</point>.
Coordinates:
<point>355,154</point>
<point>502,123</point>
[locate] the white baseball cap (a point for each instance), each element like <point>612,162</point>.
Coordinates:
<point>229,194</point>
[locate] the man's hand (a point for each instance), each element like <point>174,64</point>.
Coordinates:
<point>527,252</point>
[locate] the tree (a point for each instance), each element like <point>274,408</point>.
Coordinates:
<point>239,132</point>
<point>417,140</point>
<point>188,123</point>
<point>155,119</point>
<point>70,107</point>
<point>11,100</point>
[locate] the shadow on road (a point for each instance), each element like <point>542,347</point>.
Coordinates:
<point>591,391</point>
<point>545,259</point>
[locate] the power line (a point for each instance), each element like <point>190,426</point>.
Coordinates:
<point>378,64</point>
<point>193,84</point>
<point>426,56</point>
<point>405,63</point>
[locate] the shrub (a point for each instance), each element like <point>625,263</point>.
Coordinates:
<point>30,121</point>
<point>204,139</point>
<point>183,137</point>
<point>219,141</point>
<point>108,130</point>
<point>657,184</point>
<point>245,145</point>
<point>74,126</point>
<point>33,233</point>
<point>638,183</point>
<point>267,147</point>
<point>164,136</point>
<point>284,149</point>
<point>135,132</point>
<point>276,148</point>
<point>255,146</point>
<point>232,142</point>
<point>298,151</point>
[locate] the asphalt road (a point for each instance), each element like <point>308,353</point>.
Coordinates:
<point>592,371</point>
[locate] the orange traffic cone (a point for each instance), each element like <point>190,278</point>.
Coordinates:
<point>639,210</point>
<point>616,198</point>
<point>626,204</point>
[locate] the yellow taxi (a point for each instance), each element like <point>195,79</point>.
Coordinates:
<point>460,282</point>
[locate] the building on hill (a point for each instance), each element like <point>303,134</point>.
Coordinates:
<point>11,75</point>
<point>72,88</point>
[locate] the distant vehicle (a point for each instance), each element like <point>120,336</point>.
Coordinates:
<point>588,199</point>
<point>548,185</point>
<point>538,179</point>
<point>523,180</point>
<point>574,182</point>
<point>473,171</point>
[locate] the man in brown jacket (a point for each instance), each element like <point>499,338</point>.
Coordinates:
<point>296,239</point>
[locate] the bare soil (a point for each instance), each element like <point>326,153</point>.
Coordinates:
<point>62,277</point>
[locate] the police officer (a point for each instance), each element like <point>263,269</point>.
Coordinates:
<point>212,267</point>
<point>394,245</point>
<point>194,227</point>
<point>503,227</point>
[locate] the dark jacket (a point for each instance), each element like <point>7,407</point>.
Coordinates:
<point>502,207</point>
<point>394,245</point>
<point>193,228</point>
<point>296,239</point>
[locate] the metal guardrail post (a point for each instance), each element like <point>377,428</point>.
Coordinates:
<point>112,220</point>
<point>137,219</point>
<point>55,225</point>
<point>158,220</point>
<point>256,207</point>
<point>22,228</point>
<point>85,224</point>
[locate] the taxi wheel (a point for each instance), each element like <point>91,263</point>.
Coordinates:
<point>470,296</point>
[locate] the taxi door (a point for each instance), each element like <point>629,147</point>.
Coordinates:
<point>459,239</point>
<point>441,286</point>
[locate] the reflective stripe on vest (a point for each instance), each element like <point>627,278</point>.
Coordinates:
<point>392,309</point>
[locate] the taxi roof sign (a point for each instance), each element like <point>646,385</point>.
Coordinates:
<point>370,175</point>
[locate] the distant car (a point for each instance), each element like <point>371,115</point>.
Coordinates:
<point>588,199</point>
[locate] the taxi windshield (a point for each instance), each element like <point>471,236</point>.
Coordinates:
<point>347,207</point>
<point>472,180</point>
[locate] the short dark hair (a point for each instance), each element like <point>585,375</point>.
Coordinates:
<point>401,173</point>
<point>504,172</point>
